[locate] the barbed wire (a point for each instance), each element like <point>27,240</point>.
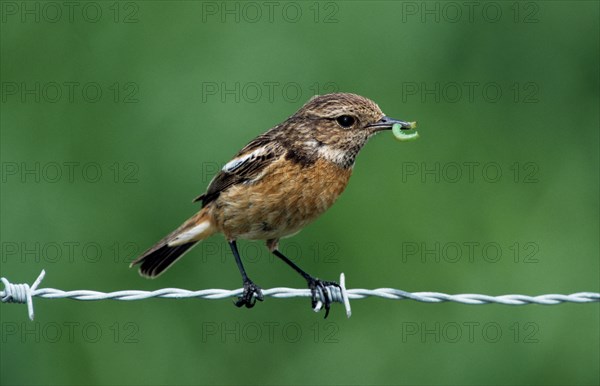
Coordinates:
<point>23,293</point>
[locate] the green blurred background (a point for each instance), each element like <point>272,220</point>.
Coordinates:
<point>497,87</point>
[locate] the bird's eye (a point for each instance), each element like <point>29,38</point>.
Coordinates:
<point>345,120</point>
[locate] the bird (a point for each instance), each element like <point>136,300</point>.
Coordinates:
<point>277,184</point>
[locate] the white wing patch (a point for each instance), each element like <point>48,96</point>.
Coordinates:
<point>235,163</point>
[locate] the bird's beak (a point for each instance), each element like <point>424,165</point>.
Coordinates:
<point>386,123</point>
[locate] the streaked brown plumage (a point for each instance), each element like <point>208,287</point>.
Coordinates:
<point>278,183</point>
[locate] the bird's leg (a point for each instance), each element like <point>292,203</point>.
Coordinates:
<point>315,285</point>
<point>252,292</point>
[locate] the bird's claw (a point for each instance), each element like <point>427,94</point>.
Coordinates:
<point>251,294</point>
<point>319,293</point>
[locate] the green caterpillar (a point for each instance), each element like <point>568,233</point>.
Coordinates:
<point>405,135</point>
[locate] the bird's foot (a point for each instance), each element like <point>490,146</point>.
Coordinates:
<point>320,293</point>
<point>251,294</point>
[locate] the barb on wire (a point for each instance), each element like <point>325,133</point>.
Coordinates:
<point>23,293</point>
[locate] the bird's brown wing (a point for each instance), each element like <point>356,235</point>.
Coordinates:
<point>245,167</point>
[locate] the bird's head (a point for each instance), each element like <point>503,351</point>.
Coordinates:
<point>338,125</point>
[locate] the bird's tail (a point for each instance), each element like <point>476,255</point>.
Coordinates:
<point>164,253</point>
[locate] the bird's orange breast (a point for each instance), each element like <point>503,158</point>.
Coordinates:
<point>287,197</point>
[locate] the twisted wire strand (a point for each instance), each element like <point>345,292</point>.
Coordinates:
<point>23,293</point>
